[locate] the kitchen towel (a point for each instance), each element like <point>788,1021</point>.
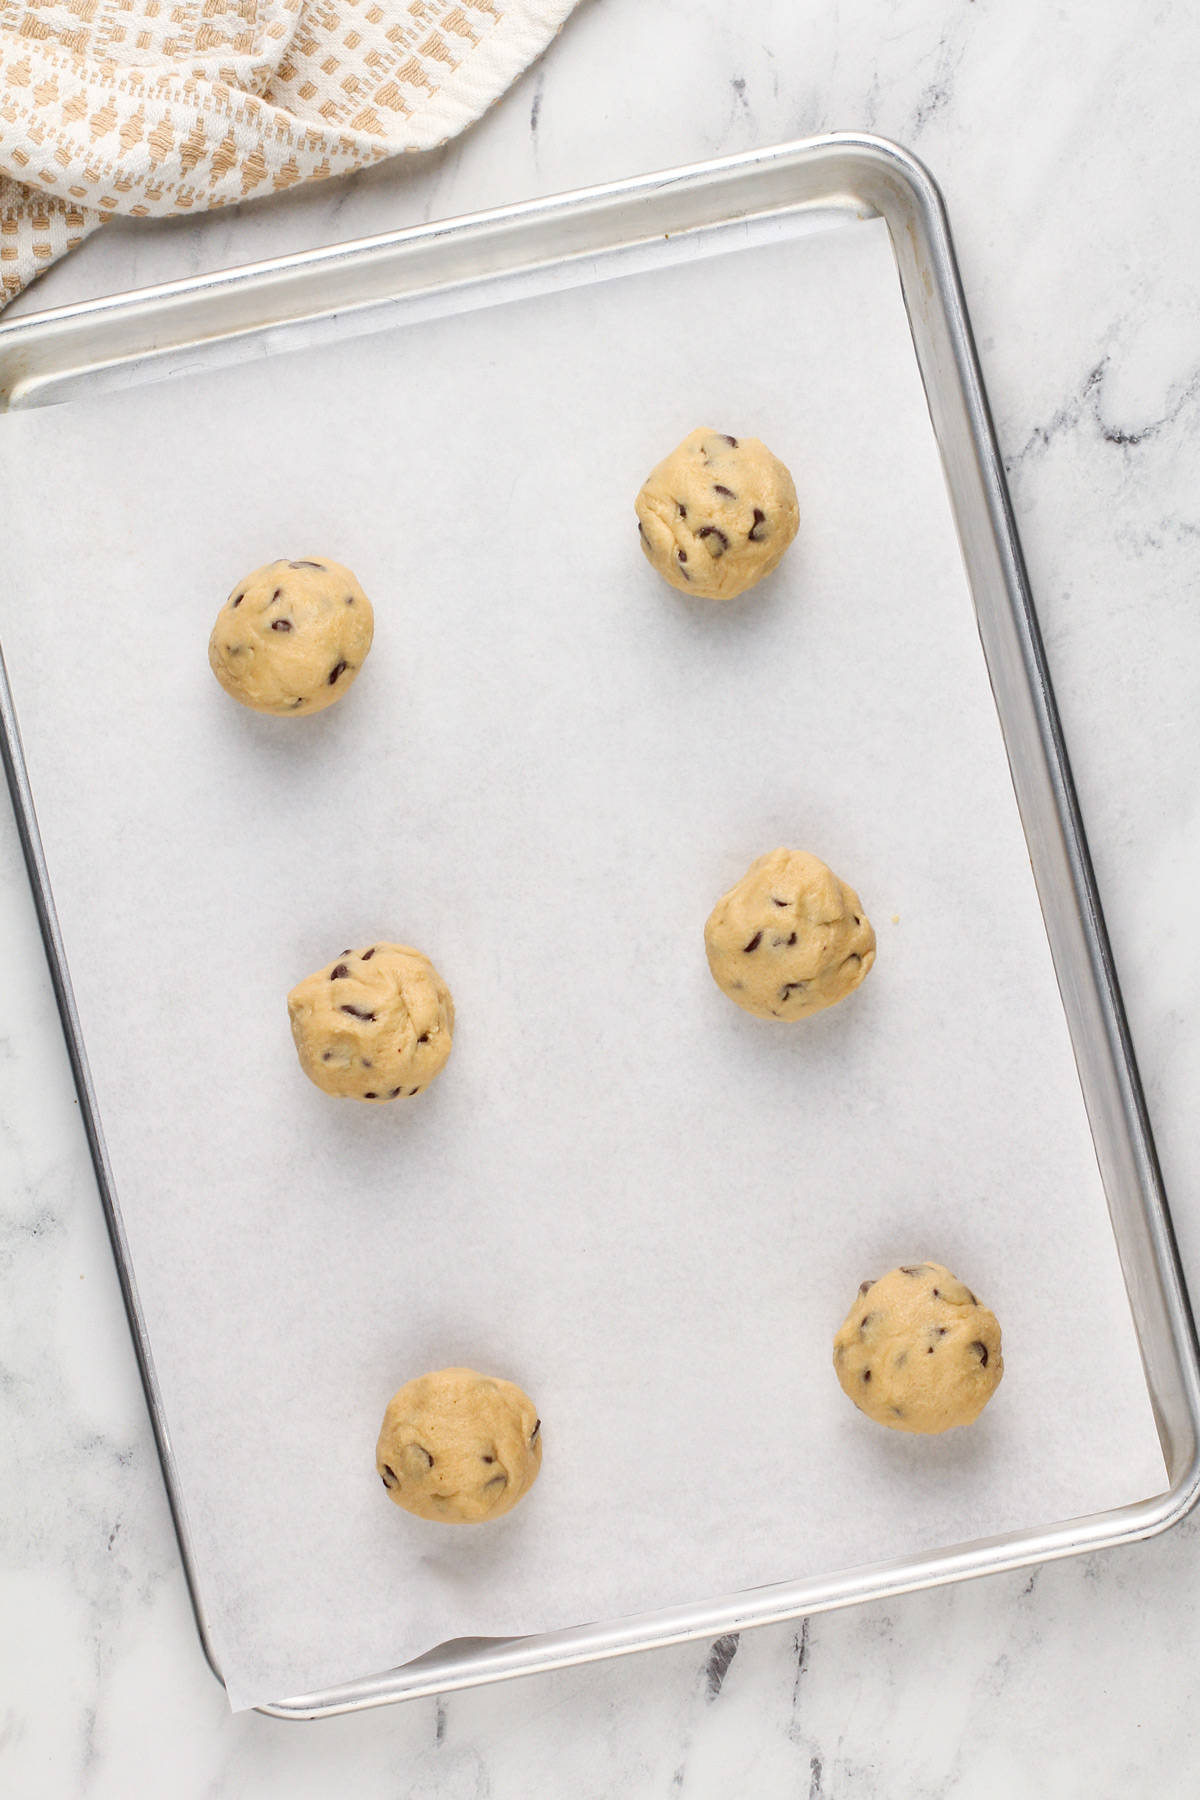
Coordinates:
<point>150,107</point>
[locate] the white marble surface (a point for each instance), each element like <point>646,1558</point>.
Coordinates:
<point>1063,137</point>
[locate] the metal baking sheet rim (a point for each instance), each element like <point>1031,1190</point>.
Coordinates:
<point>229,315</point>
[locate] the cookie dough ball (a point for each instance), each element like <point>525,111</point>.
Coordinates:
<point>917,1351</point>
<point>717,514</point>
<point>459,1447</point>
<point>292,637</point>
<point>789,939</point>
<point>377,1024</point>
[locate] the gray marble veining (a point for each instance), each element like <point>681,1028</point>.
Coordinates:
<point>1061,137</point>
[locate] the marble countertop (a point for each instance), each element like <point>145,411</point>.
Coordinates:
<point>1061,137</point>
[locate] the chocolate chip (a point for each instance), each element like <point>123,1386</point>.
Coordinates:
<point>386,1471</point>
<point>981,1349</point>
<point>642,531</point>
<point>895,1412</point>
<point>760,518</point>
<point>349,599</point>
<point>929,1352</point>
<point>306,565</point>
<point>912,1268</point>
<point>866,1374</point>
<point>865,1321</point>
<point>347,953</point>
<point>732,442</point>
<point>728,492</point>
<point>971,1298</point>
<point>775,902</point>
<point>941,1331</point>
<point>536,1428</point>
<point>682,555</point>
<point>682,509</point>
<point>275,596</point>
<point>865,1286</point>
<point>857,920</point>
<point>281,624</point>
<point>237,601</point>
<point>755,941</point>
<point>371,1096</point>
<point>424,1038</point>
<point>356,1012</point>
<point>792,939</point>
<point>340,973</point>
<point>393,1093</point>
<point>489,1459</point>
<point>366,1064</point>
<point>713,531</point>
<point>338,668</point>
<point>327,1056</point>
<point>936,1292</point>
<point>419,1459</point>
<point>788,987</point>
<point>413,1091</point>
<point>368,954</point>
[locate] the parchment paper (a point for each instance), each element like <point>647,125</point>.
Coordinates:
<point>647,1208</point>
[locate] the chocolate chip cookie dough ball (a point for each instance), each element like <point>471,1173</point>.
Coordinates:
<point>377,1024</point>
<point>917,1351</point>
<point>459,1447</point>
<point>292,637</point>
<point>717,514</point>
<point>789,939</point>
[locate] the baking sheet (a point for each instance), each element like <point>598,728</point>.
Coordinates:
<point>646,1207</point>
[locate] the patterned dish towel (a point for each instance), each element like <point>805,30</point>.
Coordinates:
<point>149,107</point>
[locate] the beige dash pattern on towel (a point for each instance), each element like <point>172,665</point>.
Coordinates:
<point>149,107</point>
